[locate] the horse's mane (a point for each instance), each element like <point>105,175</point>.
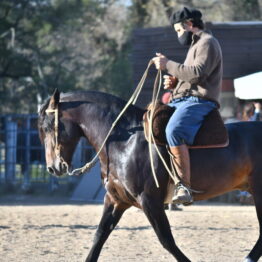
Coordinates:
<point>83,96</point>
<point>93,96</point>
<point>115,104</point>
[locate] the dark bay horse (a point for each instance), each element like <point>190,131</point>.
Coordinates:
<point>125,166</point>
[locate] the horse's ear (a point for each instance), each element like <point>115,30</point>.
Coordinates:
<point>54,100</point>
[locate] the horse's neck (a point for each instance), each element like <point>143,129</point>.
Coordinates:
<point>96,123</point>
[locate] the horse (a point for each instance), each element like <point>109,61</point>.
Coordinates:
<point>125,164</point>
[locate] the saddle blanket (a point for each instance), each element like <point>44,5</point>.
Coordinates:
<point>211,134</point>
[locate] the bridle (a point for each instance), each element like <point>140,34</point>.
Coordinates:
<point>56,128</point>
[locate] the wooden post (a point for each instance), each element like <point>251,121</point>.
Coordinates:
<point>10,155</point>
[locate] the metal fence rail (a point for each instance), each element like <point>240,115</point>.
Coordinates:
<point>22,157</point>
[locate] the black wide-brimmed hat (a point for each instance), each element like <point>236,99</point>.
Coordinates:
<point>185,14</point>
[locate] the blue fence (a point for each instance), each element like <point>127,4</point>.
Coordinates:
<point>22,157</point>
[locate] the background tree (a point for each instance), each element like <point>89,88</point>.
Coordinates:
<point>76,44</point>
<point>156,13</point>
<point>83,44</point>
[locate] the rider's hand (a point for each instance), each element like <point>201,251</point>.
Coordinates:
<point>160,61</point>
<point>169,82</point>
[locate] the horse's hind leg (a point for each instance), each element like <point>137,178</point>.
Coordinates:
<point>111,215</point>
<point>156,215</point>
<point>256,252</point>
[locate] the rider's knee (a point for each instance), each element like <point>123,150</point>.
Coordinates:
<point>173,136</point>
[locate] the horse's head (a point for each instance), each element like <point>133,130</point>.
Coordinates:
<point>59,134</point>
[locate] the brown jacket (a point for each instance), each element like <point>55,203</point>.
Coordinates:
<point>201,73</point>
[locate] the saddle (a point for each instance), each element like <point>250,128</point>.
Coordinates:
<point>211,134</point>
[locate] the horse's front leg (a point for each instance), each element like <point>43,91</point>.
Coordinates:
<point>111,215</point>
<point>156,215</point>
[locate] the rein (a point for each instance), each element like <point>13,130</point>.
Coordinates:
<point>151,138</point>
<point>132,100</point>
<point>156,91</point>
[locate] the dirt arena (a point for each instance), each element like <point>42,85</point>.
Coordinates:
<point>46,231</point>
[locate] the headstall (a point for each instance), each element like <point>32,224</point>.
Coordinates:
<point>56,128</point>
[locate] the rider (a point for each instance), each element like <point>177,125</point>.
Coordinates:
<point>195,94</point>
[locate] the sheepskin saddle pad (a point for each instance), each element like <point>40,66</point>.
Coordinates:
<point>212,133</point>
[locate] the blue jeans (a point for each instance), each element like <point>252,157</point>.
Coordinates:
<point>187,119</point>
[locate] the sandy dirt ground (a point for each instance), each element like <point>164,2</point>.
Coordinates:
<point>46,231</point>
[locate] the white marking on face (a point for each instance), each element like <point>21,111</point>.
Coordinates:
<point>49,149</point>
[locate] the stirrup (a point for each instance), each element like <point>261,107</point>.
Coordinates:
<point>181,185</point>
<point>176,199</point>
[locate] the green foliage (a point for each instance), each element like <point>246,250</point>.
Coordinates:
<point>245,10</point>
<point>59,43</point>
<point>83,44</point>
<point>151,13</point>
<point>116,78</point>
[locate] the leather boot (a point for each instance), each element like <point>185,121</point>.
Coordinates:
<point>181,160</point>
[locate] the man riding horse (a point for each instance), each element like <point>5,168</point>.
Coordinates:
<point>195,94</point>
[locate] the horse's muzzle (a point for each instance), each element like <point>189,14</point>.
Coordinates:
<point>58,169</point>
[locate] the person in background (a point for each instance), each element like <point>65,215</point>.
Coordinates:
<point>251,112</point>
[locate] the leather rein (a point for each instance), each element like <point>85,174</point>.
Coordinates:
<point>89,165</point>
<point>132,100</point>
